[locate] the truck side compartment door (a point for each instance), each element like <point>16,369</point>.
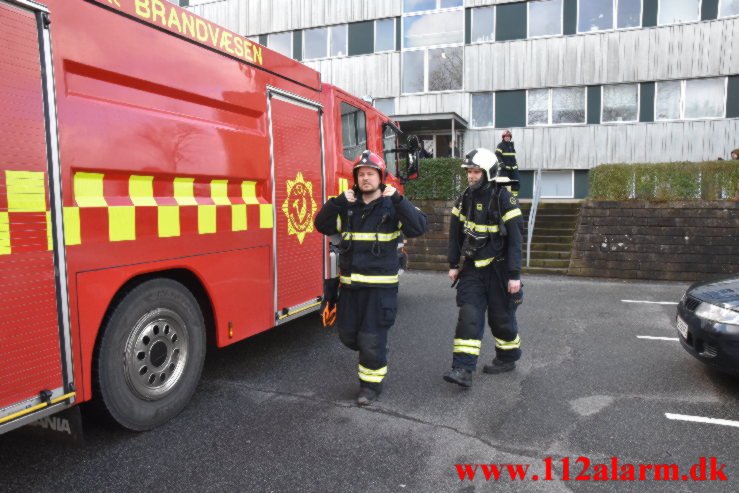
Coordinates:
<point>35,363</point>
<point>297,160</point>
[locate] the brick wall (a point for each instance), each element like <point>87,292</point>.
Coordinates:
<point>682,241</point>
<point>428,252</point>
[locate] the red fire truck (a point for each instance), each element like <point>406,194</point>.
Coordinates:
<point>159,176</point>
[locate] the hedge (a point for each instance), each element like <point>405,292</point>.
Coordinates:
<point>438,179</point>
<point>712,180</point>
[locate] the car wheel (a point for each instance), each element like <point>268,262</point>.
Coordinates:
<point>150,355</point>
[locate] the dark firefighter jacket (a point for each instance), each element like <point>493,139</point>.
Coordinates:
<point>506,154</point>
<point>483,211</point>
<point>369,236</point>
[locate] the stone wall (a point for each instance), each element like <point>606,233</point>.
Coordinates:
<point>683,241</point>
<point>428,252</point>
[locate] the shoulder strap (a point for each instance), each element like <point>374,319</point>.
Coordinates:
<point>494,205</point>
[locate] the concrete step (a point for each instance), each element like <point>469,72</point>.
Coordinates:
<point>557,247</point>
<point>551,254</point>
<point>554,263</point>
<point>565,240</point>
<point>554,223</point>
<point>544,270</point>
<point>541,228</point>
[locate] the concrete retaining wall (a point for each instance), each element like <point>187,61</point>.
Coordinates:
<point>682,241</point>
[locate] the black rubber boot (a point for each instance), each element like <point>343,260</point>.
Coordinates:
<point>499,366</point>
<point>367,396</point>
<point>459,376</point>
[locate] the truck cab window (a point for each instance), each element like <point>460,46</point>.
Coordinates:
<point>389,143</point>
<point>353,131</point>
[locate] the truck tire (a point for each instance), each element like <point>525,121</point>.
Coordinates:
<point>150,355</point>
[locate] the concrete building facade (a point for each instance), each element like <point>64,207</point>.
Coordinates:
<point>579,82</point>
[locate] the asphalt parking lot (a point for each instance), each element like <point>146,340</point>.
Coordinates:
<point>603,384</point>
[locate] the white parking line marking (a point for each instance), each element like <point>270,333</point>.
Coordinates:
<point>659,338</point>
<point>701,419</point>
<point>651,302</point>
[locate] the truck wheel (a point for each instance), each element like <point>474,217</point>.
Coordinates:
<point>150,356</point>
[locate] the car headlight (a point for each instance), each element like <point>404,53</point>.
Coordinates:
<point>717,314</point>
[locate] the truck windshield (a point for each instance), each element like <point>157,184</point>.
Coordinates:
<point>389,145</point>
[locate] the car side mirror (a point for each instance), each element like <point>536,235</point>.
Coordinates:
<point>412,163</point>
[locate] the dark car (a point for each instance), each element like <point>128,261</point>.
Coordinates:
<point>708,322</point>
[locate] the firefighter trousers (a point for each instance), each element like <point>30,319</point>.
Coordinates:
<point>364,317</point>
<point>512,173</point>
<point>482,289</point>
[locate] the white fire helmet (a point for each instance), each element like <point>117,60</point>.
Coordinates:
<point>483,159</point>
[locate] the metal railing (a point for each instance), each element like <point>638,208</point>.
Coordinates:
<point>532,214</point>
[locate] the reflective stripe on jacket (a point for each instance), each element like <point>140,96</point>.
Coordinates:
<point>473,210</point>
<point>369,236</point>
<point>506,154</point>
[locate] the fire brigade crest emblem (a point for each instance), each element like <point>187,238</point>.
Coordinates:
<point>299,207</point>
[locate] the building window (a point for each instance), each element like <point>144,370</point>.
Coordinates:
<point>599,15</point>
<point>594,15</point>
<point>338,40</point>
<point>281,43</point>
<point>384,35</point>
<point>423,5</point>
<point>557,184</point>
<point>436,69</point>
<point>353,131</point>
<point>418,5</point>
<point>668,100</point>
<point>483,24</point>
<point>728,8</point>
<point>433,29</point>
<point>620,103</point>
<point>413,71</point>
<point>674,12</point>
<point>385,105</point>
<point>315,43</point>
<point>482,109</point>
<point>628,13</point>
<point>325,41</point>
<point>446,68</point>
<point>568,105</point>
<point>561,106</point>
<point>545,18</point>
<point>537,103</point>
<point>691,99</point>
<point>704,98</point>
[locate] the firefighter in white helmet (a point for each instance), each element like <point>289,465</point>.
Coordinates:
<point>486,230</point>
